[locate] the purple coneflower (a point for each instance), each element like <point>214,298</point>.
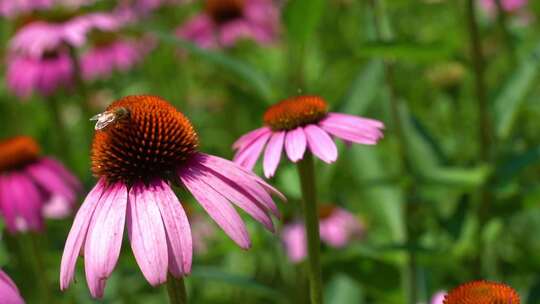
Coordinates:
<point>9,293</point>
<point>302,123</point>
<point>337,228</point>
<point>141,147</point>
<point>39,59</point>
<point>44,75</point>
<point>104,58</point>
<point>224,22</point>
<point>32,187</point>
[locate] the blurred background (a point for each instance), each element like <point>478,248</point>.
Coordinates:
<point>451,193</point>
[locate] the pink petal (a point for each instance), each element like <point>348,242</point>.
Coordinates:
<point>177,229</point>
<point>146,233</point>
<point>9,294</point>
<point>352,128</point>
<point>272,154</point>
<point>320,143</point>
<point>352,120</point>
<point>248,155</point>
<point>295,144</point>
<point>27,201</point>
<point>77,234</point>
<point>217,207</point>
<point>55,165</point>
<point>104,237</point>
<point>249,181</point>
<point>234,193</point>
<point>250,137</point>
<point>50,180</point>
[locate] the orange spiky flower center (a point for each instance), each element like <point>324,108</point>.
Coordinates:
<point>223,11</point>
<point>140,138</point>
<point>294,112</point>
<point>482,292</point>
<point>16,152</point>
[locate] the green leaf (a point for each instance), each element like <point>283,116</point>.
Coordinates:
<point>255,79</point>
<point>343,289</point>
<point>405,51</point>
<point>509,100</point>
<point>364,88</point>
<point>301,18</point>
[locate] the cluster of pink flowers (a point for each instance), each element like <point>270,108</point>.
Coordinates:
<point>40,60</point>
<point>224,22</point>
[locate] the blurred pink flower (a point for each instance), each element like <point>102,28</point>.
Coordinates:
<point>300,123</point>
<point>134,189</point>
<point>32,187</point>
<point>39,37</point>
<point>507,5</point>
<point>27,75</point>
<point>224,22</point>
<point>337,228</point>
<point>12,8</point>
<point>9,293</point>
<point>438,298</point>
<point>102,60</point>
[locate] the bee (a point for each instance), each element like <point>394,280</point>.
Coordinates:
<point>106,118</point>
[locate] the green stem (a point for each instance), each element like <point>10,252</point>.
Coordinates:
<point>176,290</point>
<point>484,120</point>
<point>311,220</point>
<point>39,267</point>
<point>62,136</point>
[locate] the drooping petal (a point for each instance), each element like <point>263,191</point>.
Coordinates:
<point>234,193</point>
<point>77,234</point>
<point>146,233</point>
<point>51,181</point>
<point>28,201</point>
<point>295,144</point>
<point>353,120</point>
<point>251,183</point>
<point>321,144</point>
<point>102,247</point>
<point>9,210</point>
<point>352,128</point>
<point>177,229</point>
<point>9,294</point>
<point>248,155</point>
<point>56,166</point>
<point>272,154</point>
<point>249,137</point>
<point>217,207</point>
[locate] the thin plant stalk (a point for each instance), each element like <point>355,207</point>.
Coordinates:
<point>311,220</point>
<point>176,289</point>
<point>484,119</point>
<point>410,271</point>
